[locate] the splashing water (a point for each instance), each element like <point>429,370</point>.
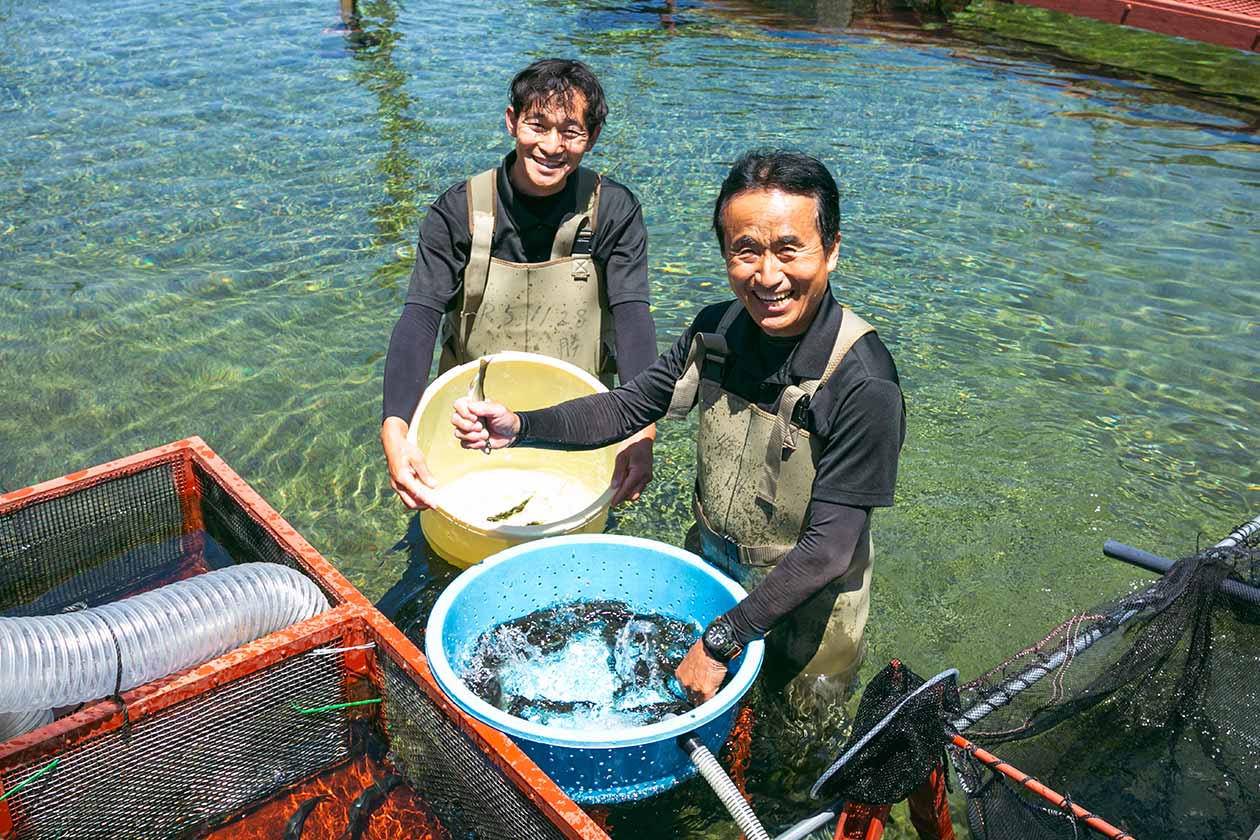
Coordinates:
<point>582,665</point>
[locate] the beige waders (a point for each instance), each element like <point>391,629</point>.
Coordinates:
<point>754,478</point>
<point>558,308</point>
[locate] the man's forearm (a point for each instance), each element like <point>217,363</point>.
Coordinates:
<point>822,554</point>
<point>601,419</point>
<point>585,423</point>
<point>408,360</point>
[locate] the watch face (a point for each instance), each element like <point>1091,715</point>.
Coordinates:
<point>719,638</point>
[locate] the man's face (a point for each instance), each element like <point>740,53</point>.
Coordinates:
<point>551,139</point>
<point>775,259</point>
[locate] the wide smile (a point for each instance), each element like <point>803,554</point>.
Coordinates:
<point>549,165</point>
<point>770,298</point>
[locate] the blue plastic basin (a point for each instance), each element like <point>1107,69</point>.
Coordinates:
<point>609,764</point>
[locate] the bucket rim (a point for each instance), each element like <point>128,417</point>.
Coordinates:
<point>514,532</point>
<point>606,737</point>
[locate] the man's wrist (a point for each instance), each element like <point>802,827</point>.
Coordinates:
<point>393,427</point>
<point>719,640</point>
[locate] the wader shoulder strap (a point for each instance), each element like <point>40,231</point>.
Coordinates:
<point>783,438</point>
<point>588,201</point>
<point>482,190</point>
<point>705,347</point>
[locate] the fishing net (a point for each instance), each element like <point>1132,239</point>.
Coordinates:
<point>1145,709</point>
<point>898,736</point>
<point>1138,718</point>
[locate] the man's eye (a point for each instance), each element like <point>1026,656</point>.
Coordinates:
<point>787,253</point>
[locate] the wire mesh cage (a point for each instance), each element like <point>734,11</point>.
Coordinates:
<point>332,719</point>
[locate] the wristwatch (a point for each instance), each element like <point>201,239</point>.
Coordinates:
<point>719,640</point>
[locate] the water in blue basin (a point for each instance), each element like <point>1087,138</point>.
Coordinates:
<point>582,665</point>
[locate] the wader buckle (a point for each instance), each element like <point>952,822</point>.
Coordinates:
<point>715,352</point>
<point>798,413</point>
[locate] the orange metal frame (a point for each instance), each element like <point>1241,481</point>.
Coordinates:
<point>354,620</point>
<point>1095,822</point>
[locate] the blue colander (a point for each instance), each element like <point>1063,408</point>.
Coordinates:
<point>609,764</point>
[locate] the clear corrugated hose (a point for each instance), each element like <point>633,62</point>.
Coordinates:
<point>60,660</point>
<point>13,724</point>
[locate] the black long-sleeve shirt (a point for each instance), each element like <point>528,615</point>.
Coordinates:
<point>525,227</point>
<point>858,414</point>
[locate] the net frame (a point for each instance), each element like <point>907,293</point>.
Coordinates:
<point>366,644</point>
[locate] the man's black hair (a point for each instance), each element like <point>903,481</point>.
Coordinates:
<point>559,79</point>
<point>795,173</point>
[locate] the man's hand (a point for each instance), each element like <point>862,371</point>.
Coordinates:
<point>478,422</point>
<point>700,674</point>
<point>633,469</point>
<point>408,474</point>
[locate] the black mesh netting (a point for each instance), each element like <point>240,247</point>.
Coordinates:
<point>898,736</point>
<point>94,545</point>
<point>1146,711</point>
<point>459,781</point>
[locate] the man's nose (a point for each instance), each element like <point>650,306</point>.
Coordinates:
<point>769,268</point>
<point>552,143</point>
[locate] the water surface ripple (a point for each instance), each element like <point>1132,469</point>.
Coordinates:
<point>207,214</point>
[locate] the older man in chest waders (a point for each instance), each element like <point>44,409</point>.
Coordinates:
<point>538,254</point>
<point>801,426</point>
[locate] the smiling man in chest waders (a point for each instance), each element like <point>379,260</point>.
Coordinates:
<point>538,254</point>
<point>801,426</point>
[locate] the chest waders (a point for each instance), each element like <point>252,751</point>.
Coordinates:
<point>558,308</point>
<point>754,478</point>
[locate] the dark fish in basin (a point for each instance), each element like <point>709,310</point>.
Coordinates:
<point>293,828</point>
<point>544,707</point>
<point>366,803</point>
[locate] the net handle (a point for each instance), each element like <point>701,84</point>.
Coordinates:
<point>998,765</point>
<point>1012,686</point>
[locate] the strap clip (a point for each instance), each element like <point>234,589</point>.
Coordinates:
<point>798,413</point>
<point>716,351</point>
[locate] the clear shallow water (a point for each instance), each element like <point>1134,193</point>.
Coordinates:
<point>207,215</point>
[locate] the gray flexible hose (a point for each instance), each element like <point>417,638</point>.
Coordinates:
<point>725,789</point>
<point>61,660</point>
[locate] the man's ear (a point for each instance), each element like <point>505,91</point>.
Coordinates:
<point>834,256</point>
<point>594,136</point>
<point>510,118</point>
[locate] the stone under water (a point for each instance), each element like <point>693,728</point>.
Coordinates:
<point>582,665</point>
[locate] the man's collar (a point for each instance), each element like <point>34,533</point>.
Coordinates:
<point>521,207</point>
<point>810,359</point>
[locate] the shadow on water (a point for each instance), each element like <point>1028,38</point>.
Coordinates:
<point>373,36</point>
<point>1218,79</point>
<point>410,599</point>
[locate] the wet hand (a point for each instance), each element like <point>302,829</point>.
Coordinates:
<point>633,468</point>
<point>408,473</point>
<point>479,422</point>
<point>700,674</point>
